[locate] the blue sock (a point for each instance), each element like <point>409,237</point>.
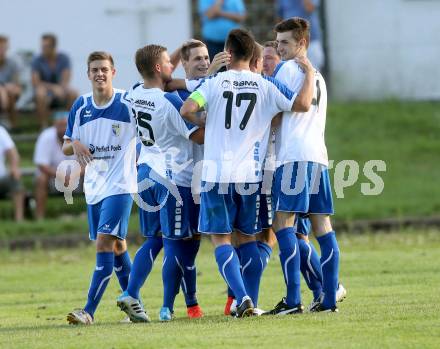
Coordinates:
<point>330,268</point>
<point>142,264</point>
<point>251,269</point>
<point>101,276</point>
<point>229,267</point>
<point>189,280</point>
<point>172,270</point>
<point>310,267</point>
<point>290,263</point>
<point>230,292</point>
<point>265,252</point>
<point>122,267</point>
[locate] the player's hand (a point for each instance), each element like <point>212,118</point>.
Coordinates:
<point>304,63</point>
<point>82,153</point>
<point>220,60</point>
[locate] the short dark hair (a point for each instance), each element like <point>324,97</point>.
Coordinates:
<point>146,57</point>
<point>51,37</point>
<point>241,43</point>
<point>188,46</point>
<point>3,38</point>
<point>99,56</point>
<point>299,27</point>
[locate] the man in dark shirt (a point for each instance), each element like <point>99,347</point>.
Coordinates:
<point>51,74</point>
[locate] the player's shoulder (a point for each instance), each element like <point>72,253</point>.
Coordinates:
<point>287,67</point>
<point>136,85</point>
<point>182,94</point>
<point>173,100</point>
<point>208,78</point>
<point>82,101</point>
<point>121,96</point>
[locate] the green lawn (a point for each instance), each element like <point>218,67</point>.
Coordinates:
<point>403,134</point>
<point>392,282</point>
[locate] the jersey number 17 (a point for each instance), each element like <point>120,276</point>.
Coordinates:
<point>229,95</point>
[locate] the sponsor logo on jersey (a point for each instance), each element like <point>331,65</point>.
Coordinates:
<point>104,148</point>
<point>116,129</point>
<point>226,84</point>
<point>145,103</point>
<point>245,84</point>
<point>88,113</point>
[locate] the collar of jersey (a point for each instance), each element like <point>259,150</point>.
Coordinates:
<point>109,103</point>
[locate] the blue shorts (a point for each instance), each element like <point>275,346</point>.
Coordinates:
<point>110,216</point>
<point>230,206</point>
<point>160,211</point>
<point>266,213</point>
<point>302,187</point>
<point>303,225</point>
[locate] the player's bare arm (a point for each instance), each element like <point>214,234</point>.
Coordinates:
<point>189,112</point>
<point>276,121</point>
<point>304,99</point>
<point>175,84</point>
<point>198,136</point>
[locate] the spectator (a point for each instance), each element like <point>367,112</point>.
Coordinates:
<point>271,58</point>
<point>10,182</point>
<point>10,88</point>
<point>51,73</point>
<point>48,155</point>
<point>307,9</point>
<point>218,18</point>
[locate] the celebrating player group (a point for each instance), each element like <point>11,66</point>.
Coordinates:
<point>235,151</point>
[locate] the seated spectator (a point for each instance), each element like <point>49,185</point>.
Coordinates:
<point>51,74</point>
<point>47,156</point>
<point>10,182</point>
<point>271,58</point>
<point>10,88</point>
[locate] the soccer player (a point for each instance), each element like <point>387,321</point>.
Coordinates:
<point>101,133</point>
<point>266,238</point>
<point>240,106</point>
<point>164,180</point>
<point>301,183</point>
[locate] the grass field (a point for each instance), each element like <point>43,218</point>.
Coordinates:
<point>393,302</point>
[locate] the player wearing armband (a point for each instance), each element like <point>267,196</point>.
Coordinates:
<point>240,106</point>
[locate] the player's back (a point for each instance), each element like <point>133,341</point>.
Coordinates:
<point>240,106</point>
<point>166,147</point>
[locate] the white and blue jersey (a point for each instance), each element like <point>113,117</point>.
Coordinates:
<point>240,106</point>
<point>165,163</point>
<point>301,182</point>
<point>301,135</point>
<point>198,149</point>
<point>110,133</point>
<point>166,147</point>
